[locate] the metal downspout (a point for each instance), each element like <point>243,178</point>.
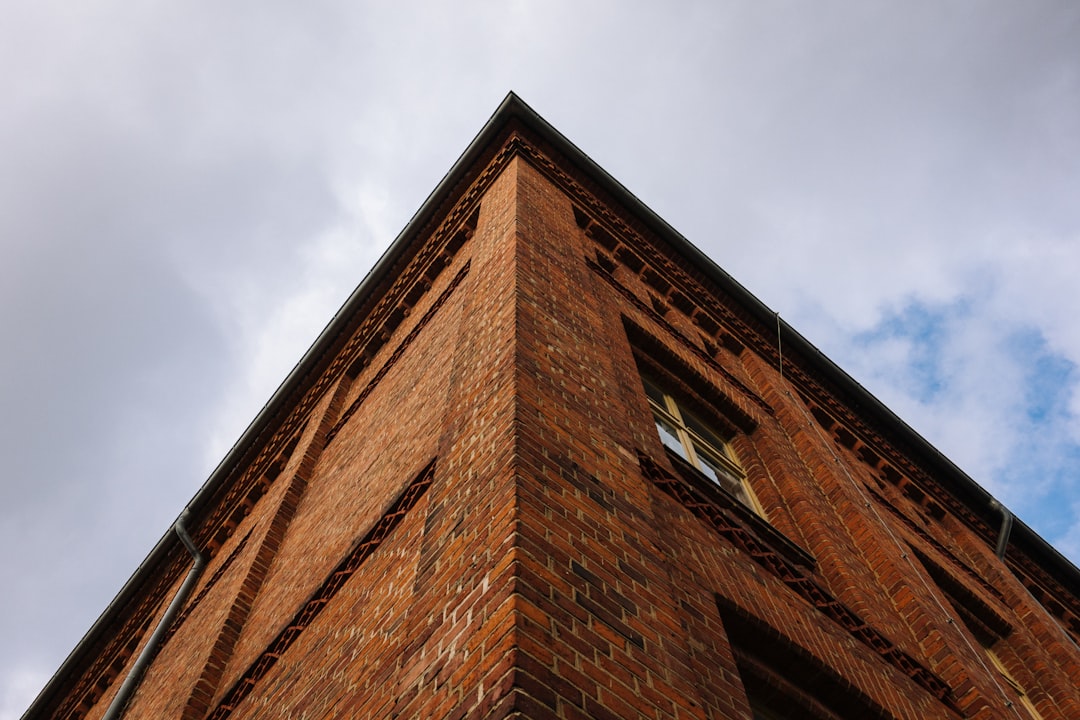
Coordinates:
<point>1006,527</point>
<point>116,707</point>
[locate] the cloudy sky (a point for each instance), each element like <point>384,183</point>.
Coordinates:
<point>189,190</point>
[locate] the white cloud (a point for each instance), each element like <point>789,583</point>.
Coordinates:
<point>1068,542</point>
<point>18,688</point>
<point>272,331</point>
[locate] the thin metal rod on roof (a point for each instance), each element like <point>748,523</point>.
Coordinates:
<point>779,345</point>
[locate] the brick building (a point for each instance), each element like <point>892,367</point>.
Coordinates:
<point>550,461</point>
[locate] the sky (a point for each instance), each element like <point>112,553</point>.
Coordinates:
<point>189,190</point>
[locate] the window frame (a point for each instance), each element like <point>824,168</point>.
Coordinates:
<point>700,445</point>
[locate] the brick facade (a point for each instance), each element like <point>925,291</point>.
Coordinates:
<point>459,505</point>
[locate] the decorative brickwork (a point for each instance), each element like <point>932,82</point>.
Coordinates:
<point>398,352</point>
<point>943,551</point>
<point>214,578</point>
<point>767,557</point>
<point>329,587</point>
<point>377,327</point>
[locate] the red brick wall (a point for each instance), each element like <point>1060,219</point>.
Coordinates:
<point>553,562</point>
<point>635,568</point>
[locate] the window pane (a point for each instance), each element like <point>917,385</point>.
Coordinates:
<point>707,469</point>
<point>702,430</point>
<point>669,436</point>
<point>719,473</point>
<point>655,394</point>
<point>695,442</point>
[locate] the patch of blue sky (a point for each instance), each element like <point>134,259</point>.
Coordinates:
<point>1048,380</point>
<point>1038,474</point>
<point>923,328</point>
<point>1042,490</point>
<point>1042,475</point>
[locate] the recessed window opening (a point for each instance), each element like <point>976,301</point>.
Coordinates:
<point>985,626</point>
<point>784,682</point>
<point>684,433</point>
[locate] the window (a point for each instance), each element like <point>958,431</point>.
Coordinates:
<point>984,624</point>
<point>783,681</point>
<point>685,434</point>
